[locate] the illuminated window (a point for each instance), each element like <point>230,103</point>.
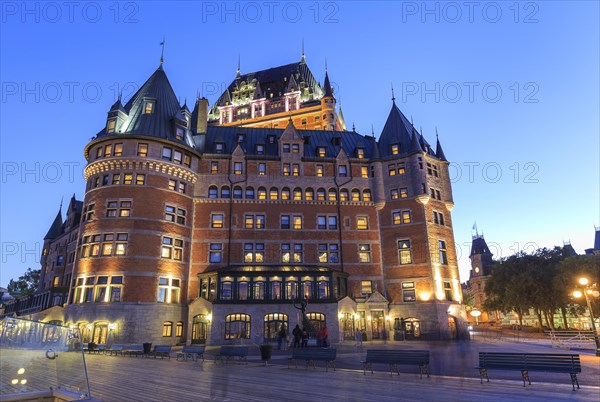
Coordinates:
<point>214,167</point>
<point>167,329</point>
<point>181,187</point>
<point>297,222</point>
<point>344,195</point>
<point>364,172</point>
<point>408,292</point>
<point>392,170</point>
<point>148,107</point>
<point>364,253</point>
<point>262,169</point>
<point>321,194</point>
<point>320,170</point>
<point>172,185</point>
<point>254,221</point>
<point>179,329</point>
<point>395,149</point>
<point>367,195</point>
<point>404,252</point>
<point>273,193</point>
<point>355,195</point>
<point>332,195</point>
<point>238,168</point>
<point>328,253</point>
<point>297,194</point>
<point>362,223</point>
<point>140,179</point>
<point>172,248</point>
<point>107,150</point>
<point>360,153</point>
<point>168,290</point>
<point>321,152</point>
<point>110,126</point>
<point>401,168</point>
<point>309,194</point>
<point>285,193</point>
<point>394,195</point>
<point>286,169</point>
<point>366,287</point>
<point>296,147</point>
<point>396,218</point>
<point>262,193</point>
<point>142,150</point>
<point>406,218</point>
<point>237,326</point>
<point>448,290</point>
<point>216,221</point>
<point>118,151</point>
<point>116,178</point>
<point>254,252</point>
<point>177,157</point>
<point>295,169</point>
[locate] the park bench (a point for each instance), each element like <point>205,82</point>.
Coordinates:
<point>310,355</point>
<point>162,351</point>
<point>571,339</point>
<point>97,349</point>
<point>193,352</point>
<point>133,350</point>
<point>231,352</point>
<point>395,358</point>
<point>526,362</point>
<point>115,349</point>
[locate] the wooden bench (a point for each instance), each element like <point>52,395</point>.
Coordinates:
<point>162,351</point>
<point>115,349</point>
<point>193,352</point>
<point>133,350</point>
<point>231,352</point>
<point>526,362</point>
<point>395,358</point>
<point>310,355</point>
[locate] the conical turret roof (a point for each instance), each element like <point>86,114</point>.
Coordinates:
<point>56,227</point>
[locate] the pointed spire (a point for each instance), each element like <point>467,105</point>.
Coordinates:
<point>56,227</point>
<point>415,145</point>
<point>239,71</point>
<point>393,97</point>
<point>327,85</point>
<point>303,58</point>
<point>372,131</point>
<point>439,152</point>
<point>353,127</point>
<point>162,52</point>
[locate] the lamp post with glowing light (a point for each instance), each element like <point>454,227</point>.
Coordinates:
<point>589,289</point>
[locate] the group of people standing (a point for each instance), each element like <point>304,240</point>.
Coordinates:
<point>300,337</point>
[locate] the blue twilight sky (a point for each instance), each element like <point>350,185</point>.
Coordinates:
<point>513,89</point>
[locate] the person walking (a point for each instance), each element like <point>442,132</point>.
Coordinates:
<point>305,338</point>
<point>281,336</point>
<point>297,332</point>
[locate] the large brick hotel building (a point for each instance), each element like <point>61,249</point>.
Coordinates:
<point>206,226</point>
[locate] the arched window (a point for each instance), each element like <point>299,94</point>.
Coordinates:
<point>250,193</point>
<point>273,193</point>
<point>317,320</point>
<point>309,194</point>
<point>167,329</point>
<point>367,195</point>
<point>237,326</point>
<point>262,193</point>
<point>285,193</point>
<point>213,192</point>
<point>179,329</point>
<point>297,194</point>
<point>199,329</point>
<point>332,194</point>
<point>344,195</point>
<point>273,324</point>
<point>321,194</point>
<point>355,195</point>
<point>225,192</point>
<point>237,192</point>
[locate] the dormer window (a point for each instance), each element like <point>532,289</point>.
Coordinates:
<point>296,148</point>
<point>321,152</point>
<point>395,149</point>
<point>360,153</point>
<point>286,148</point>
<point>148,107</point>
<point>271,139</point>
<point>241,137</point>
<point>260,149</point>
<point>179,133</point>
<point>219,148</point>
<point>342,171</point>
<point>111,126</point>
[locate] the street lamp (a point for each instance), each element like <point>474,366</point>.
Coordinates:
<point>588,289</point>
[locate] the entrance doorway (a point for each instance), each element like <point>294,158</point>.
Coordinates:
<point>377,324</point>
<point>452,327</point>
<point>199,329</point>
<point>100,333</point>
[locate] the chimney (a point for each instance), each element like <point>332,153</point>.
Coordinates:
<point>202,105</point>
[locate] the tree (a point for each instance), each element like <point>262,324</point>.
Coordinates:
<point>26,284</point>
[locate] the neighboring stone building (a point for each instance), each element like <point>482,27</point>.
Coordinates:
<point>481,270</point>
<point>596,249</point>
<point>208,226</point>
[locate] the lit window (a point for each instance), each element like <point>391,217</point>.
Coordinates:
<point>142,150</point>
<point>395,149</point>
<point>321,194</point>
<point>355,195</point>
<point>148,107</point>
<point>332,195</point>
<point>179,329</point>
<point>254,252</point>
<point>309,194</point>
<point>262,193</point>
<point>321,152</point>
<point>214,167</point>
<point>140,179</point>
<point>364,253</point>
<point>392,170</point>
<point>116,178</point>
<point>181,187</point>
<point>167,329</point>
<point>238,168</point>
<point>404,252</point>
<point>295,148</point>
<point>262,169</point>
<point>295,169</point>
<point>297,194</point>
<point>396,218</point>
<point>406,217</point>
<point>273,193</point>
<point>110,126</point>
<point>366,287</point>
<point>360,153</point>
<point>286,169</point>
<point>168,290</point>
<point>401,168</point>
<point>118,151</point>
<point>107,150</point>
<point>408,292</point>
<point>403,192</point>
<point>172,248</point>
<point>367,195</point>
<point>297,222</point>
<point>362,223</point>
<point>216,221</point>
<point>344,195</point>
<point>320,170</point>
<point>285,193</point>
<point>364,172</point>
<point>394,195</point>
<point>177,156</point>
<point>237,326</point>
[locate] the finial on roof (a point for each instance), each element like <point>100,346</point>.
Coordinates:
<point>61,202</point>
<point>162,52</point>
<point>303,58</point>
<point>353,128</point>
<point>120,95</point>
<point>436,134</point>
<point>372,131</point>
<point>326,65</point>
<point>197,94</point>
<point>411,121</point>
<point>393,97</point>
<point>238,69</point>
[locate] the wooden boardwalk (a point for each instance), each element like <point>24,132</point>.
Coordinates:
<point>139,379</point>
